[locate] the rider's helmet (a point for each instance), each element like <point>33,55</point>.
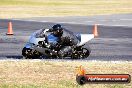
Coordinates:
<point>57,30</point>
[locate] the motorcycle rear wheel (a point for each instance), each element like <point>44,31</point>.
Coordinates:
<point>30,54</point>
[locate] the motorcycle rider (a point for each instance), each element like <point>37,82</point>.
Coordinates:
<point>61,40</point>
<point>54,37</point>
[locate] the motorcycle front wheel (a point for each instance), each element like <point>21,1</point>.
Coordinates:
<point>85,53</point>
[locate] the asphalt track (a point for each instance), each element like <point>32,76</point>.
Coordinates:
<point>113,44</point>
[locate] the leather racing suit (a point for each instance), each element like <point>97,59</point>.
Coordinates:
<point>63,44</point>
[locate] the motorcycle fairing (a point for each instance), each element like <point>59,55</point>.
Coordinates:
<point>84,38</point>
<point>52,39</point>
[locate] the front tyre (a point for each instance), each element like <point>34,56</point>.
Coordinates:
<point>85,53</point>
<point>30,54</point>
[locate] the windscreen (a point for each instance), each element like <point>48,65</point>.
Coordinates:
<point>39,33</point>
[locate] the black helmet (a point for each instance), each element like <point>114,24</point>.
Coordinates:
<point>57,27</point>
<point>57,30</point>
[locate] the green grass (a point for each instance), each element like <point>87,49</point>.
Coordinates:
<point>29,3</point>
<point>39,8</point>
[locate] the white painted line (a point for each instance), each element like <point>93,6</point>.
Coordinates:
<point>126,19</point>
<point>61,60</point>
<point>89,21</point>
<point>102,20</point>
<point>113,25</point>
<point>48,21</point>
<point>73,23</point>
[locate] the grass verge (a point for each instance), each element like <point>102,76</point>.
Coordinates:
<point>38,8</point>
<point>57,74</point>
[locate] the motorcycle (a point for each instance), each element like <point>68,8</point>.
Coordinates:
<point>35,47</point>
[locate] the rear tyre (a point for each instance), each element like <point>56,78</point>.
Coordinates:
<point>30,54</point>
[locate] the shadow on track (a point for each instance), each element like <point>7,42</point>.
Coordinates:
<point>13,57</point>
<point>41,58</point>
<point>96,58</point>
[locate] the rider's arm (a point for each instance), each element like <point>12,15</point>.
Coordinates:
<point>46,30</point>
